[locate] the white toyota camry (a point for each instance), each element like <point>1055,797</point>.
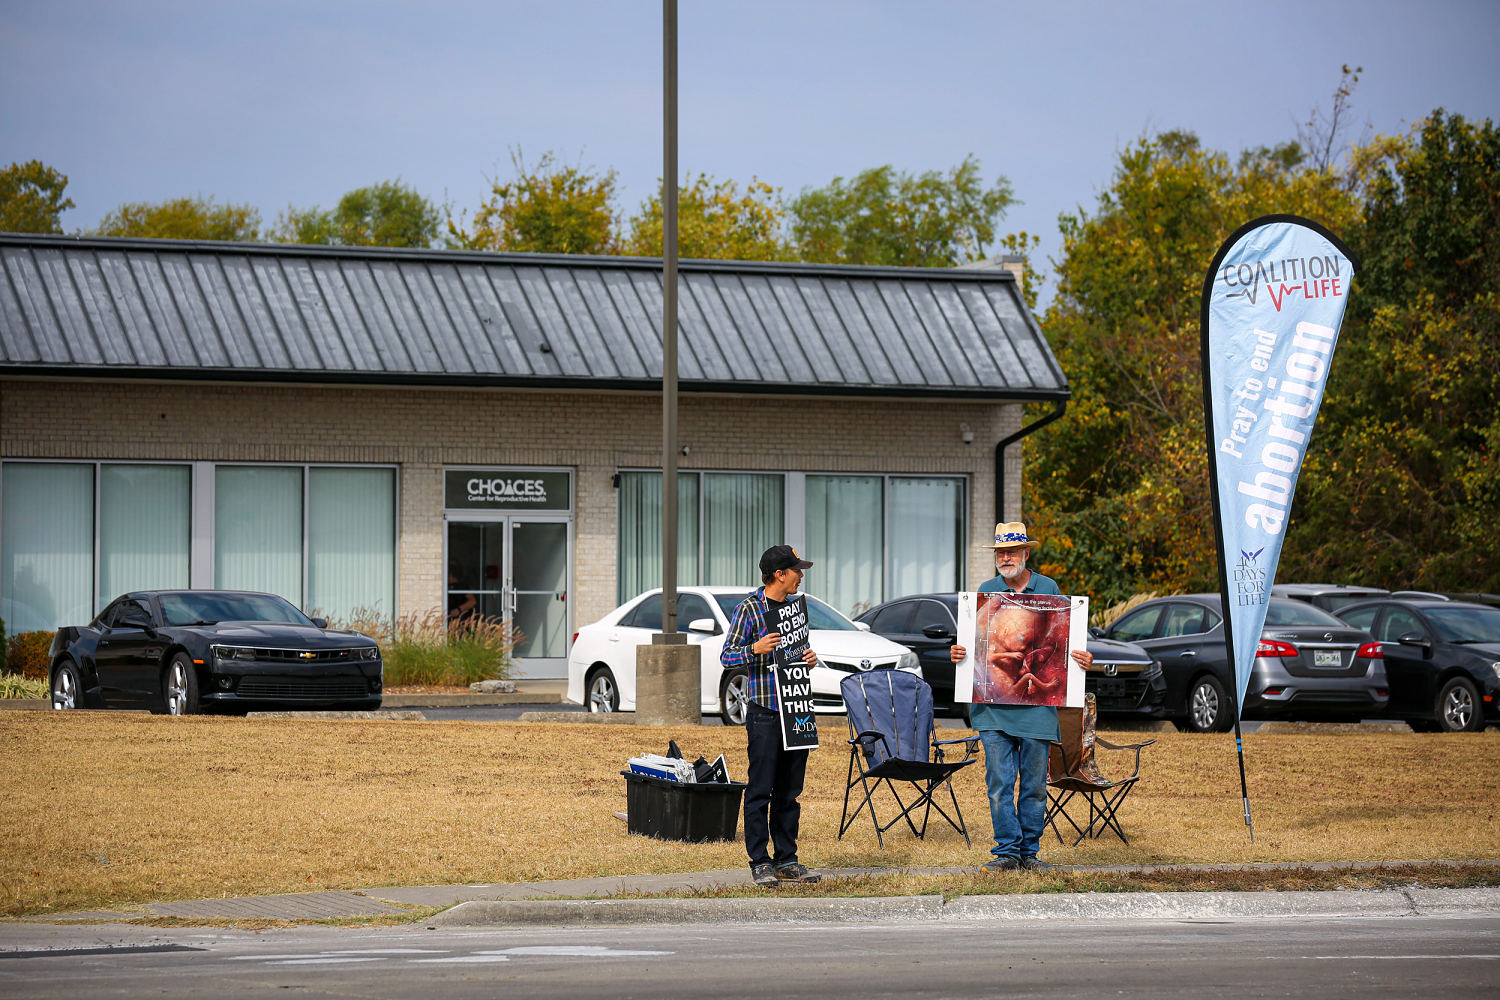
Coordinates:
<point>601,665</point>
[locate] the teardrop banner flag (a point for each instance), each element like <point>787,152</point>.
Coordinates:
<point>1273,301</point>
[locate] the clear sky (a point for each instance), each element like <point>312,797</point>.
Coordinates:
<point>277,103</point>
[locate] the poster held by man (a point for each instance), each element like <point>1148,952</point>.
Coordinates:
<point>1273,302</point>
<point>1019,649</point>
<point>799,726</point>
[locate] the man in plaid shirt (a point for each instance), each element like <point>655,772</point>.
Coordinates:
<point>775,780</point>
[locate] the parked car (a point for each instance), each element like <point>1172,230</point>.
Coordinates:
<point>1124,679</point>
<point>1442,658</point>
<point>1328,596</point>
<point>601,664</point>
<point>1310,665</point>
<point>187,651</point>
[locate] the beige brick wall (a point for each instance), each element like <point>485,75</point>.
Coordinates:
<point>593,433</point>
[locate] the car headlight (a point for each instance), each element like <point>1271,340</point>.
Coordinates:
<point>233,653</point>
<point>908,661</point>
<point>1495,669</point>
<point>369,653</point>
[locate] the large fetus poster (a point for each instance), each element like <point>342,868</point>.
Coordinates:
<point>1019,648</point>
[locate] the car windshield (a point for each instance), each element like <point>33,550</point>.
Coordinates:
<point>1465,624</point>
<point>819,615</point>
<point>1288,612</point>
<point>191,609</point>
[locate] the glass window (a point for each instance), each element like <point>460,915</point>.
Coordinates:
<point>743,515</point>
<point>1287,612</point>
<point>46,545</point>
<point>892,618</point>
<point>1137,625</point>
<point>1183,619</point>
<point>647,614</point>
<point>258,529</point>
<point>846,528</point>
<point>351,542</point>
<point>145,526</point>
<point>926,535</point>
<point>1466,625</point>
<point>1362,618</point>
<point>821,616</point>
<point>933,613</point>
<point>691,607</point>
<point>1399,622</point>
<point>639,535</point>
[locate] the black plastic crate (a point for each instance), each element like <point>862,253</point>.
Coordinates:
<point>671,810</point>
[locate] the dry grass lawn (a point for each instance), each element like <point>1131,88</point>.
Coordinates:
<point>106,809</point>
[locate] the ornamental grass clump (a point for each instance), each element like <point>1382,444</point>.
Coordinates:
<point>16,686</point>
<point>427,650</point>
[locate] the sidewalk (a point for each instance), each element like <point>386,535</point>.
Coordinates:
<point>584,901</point>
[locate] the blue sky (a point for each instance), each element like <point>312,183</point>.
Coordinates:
<point>277,103</point>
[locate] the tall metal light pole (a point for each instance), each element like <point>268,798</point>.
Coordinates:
<point>667,672</point>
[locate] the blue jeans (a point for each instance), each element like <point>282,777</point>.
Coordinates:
<point>1017,817</point>
<point>772,812</point>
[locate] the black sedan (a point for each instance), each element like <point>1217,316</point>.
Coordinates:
<point>1442,658</point>
<point>1309,665</point>
<point>186,651</point>
<point>1124,679</point>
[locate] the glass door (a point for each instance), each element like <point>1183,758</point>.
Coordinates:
<point>476,570</point>
<point>515,570</point>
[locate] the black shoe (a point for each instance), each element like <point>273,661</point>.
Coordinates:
<point>764,874</point>
<point>1035,864</point>
<point>796,872</point>
<point>1008,863</point>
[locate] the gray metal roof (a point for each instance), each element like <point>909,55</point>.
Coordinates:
<point>94,307</point>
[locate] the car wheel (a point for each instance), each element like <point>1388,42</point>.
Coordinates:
<point>1207,706</point>
<point>1458,707</point>
<point>67,687</point>
<point>603,693</point>
<point>734,698</point>
<point>180,687</point>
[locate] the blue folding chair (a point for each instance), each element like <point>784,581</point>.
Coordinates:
<point>891,741</point>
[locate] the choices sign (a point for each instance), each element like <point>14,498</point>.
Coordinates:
<point>506,489</point>
<point>799,726</point>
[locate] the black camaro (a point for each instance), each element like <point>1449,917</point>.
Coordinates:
<point>188,651</point>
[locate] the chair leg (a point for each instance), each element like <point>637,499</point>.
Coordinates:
<point>1058,806</point>
<point>1109,813</point>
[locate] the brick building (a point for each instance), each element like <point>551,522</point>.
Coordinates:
<point>405,431</point>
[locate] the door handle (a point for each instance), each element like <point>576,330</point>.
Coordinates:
<point>1188,654</point>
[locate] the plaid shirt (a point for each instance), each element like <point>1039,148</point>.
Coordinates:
<point>748,625</point>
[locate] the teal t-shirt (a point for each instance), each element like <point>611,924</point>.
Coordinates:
<point>1032,722</point>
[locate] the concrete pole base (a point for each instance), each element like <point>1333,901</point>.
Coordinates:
<point>668,679</point>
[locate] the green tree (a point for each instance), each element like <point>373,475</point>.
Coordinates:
<point>547,208</point>
<point>715,221</point>
<point>1119,488</point>
<point>388,214</point>
<point>31,198</point>
<point>183,219</point>
<point>1402,481</point>
<point>886,216</point>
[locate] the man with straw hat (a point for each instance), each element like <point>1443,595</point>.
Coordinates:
<point>1015,737</point>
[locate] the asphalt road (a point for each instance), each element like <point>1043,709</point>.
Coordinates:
<point>1351,958</point>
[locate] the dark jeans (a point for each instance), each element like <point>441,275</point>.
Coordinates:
<point>775,782</point>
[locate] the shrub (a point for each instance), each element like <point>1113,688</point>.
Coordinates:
<point>16,686</point>
<point>27,654</point>
<point>424,650</point>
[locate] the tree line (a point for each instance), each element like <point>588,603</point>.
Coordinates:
<point>1401,486</point>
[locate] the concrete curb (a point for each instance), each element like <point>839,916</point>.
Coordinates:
<point>1008,908</point>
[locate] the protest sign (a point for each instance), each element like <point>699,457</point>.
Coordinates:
<point>1020,649</point>
<point>799,726</point>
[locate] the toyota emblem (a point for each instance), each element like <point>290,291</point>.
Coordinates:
<point>866,665</point>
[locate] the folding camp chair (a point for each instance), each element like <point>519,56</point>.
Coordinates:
<point>891,730</point>
<point>1072,772</point>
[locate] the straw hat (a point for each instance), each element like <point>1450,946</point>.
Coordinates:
<point>1011,535</point>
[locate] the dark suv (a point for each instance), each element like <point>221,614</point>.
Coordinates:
<point>1328,596</point>
<point>1124,679</point>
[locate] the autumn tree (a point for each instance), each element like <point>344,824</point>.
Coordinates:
<point>547,208</point>
<point>195,218</point>
<point>1402,481</point>
<point>886,216</point>
<point>1119,488</point>
<point>715,221</point>
<point>31,198</point>
<point>388,214</point>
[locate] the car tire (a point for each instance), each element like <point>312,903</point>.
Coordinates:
<point>1207,706</point>
<point>1458,709</point>
<point>179,687</point>
<point>602,693</point>
<point>734,698</point>
<point>67,687</point>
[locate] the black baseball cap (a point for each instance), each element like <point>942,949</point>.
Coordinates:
<point>781,557</point>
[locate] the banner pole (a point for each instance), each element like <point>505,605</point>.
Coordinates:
<point>1239,746</point>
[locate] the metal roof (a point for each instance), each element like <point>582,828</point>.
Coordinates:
<point>127,308</point>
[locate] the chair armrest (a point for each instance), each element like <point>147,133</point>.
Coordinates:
<point>969,751</point>
<point>867,738</point>
<point>1137,747</point>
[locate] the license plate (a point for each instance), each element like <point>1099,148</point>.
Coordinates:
<point>1327,658</point>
